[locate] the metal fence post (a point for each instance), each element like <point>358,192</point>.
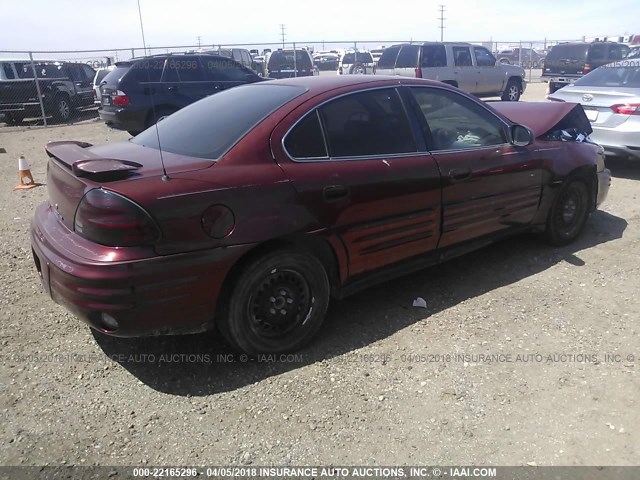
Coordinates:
<point>35,77</point>
<point>295,62</point>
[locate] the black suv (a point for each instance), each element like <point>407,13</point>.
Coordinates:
<point>64,86</point>
<point>567,62</point>
<point>140,91</point>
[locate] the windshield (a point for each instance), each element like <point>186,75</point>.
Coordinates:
<point>625,73</point>
<point>284,59</point>
<point>359,57</point>
<point>209,127</point>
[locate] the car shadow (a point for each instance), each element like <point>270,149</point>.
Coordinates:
<point>78,115</point>
<point>623,168</point>
<point>203,364</point>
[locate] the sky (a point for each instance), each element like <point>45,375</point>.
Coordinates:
<point>89,24</point>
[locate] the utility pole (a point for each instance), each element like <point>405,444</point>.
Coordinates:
<point>144,44</point>
<point>442,19</point>
<point>282,34</point>
<point>199,39</point>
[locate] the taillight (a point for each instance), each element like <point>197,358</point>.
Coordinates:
<point>418,73</point>
<point>586,68</point>
<point>120,99</point>
<point>626,109</point>
<point>108,218</point>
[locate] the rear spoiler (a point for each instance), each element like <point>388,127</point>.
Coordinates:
<point>83,163</point>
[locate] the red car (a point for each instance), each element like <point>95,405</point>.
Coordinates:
<point>250,209</point>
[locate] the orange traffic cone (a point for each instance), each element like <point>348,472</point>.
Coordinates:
<point>24,174</point>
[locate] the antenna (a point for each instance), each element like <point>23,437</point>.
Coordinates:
<point>144,44</point>
<point>442,19</point>
<point>152,92</point>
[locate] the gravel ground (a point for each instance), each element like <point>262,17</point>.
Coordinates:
<point>384,383</point>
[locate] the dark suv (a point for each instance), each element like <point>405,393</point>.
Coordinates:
<point>140,91</point>
<point>65,86</point>
<point>283,64</point>
<point>567,62</point>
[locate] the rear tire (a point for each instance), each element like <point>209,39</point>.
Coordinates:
<point>569,213</point>
<point>277,304</point>
<point>62,109</point>
<point>512,92</point>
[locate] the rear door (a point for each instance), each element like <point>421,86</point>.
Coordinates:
<point>433,62</point>
<point>464,72</point>
<point>488,185</point>
<point>225,73</point>
<point>356,166</point>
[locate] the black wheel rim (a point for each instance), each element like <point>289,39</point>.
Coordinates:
<point>281,302</point>
<point>570,208</point>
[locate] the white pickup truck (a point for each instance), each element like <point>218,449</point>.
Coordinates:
<point>471,68</point>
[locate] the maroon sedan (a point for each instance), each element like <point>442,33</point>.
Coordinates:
<point>250,209</point>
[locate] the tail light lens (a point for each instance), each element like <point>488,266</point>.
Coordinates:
<point>627,109</point>
<point>120,99</point>
<point>418,73</point>
<point>586,68</point>
<point>108,218</point>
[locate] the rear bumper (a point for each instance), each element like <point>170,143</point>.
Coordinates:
<point>564,79</point>
<point>124,119</point>
<point>623,141</point>
<point>148,296</point>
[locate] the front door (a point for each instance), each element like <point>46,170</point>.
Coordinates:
<point>355,164</point>
<point>488,184</point>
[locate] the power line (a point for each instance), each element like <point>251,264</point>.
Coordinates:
<point>442,19</point>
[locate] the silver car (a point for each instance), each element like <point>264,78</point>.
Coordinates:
<point>610,96</point>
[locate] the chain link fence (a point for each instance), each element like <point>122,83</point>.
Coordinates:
<point>53,87</point>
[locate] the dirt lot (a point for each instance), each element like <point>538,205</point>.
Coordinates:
<point>384,383</point>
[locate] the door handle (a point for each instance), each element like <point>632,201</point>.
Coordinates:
<point>459,174</point>
<point>172,88</point>
<point>334,193</point>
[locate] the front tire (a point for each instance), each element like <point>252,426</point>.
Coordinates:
<point>277,304</point>
<point>512,92</point>
<point>568,214</point>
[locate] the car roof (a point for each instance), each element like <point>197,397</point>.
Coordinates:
<point>320,84</point>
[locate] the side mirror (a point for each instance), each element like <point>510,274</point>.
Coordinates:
<point>521,136</point>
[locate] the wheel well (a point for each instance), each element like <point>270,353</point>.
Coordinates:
<point>588,175</point>
<point>518,80</point>
<point>313,244</point>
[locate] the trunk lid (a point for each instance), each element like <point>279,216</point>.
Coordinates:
<point>597,102</point>
<point>76,167</point>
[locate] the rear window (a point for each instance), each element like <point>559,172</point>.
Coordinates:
<point>101,74</point>
<point>625,73</point>
<point>114,76</point>
<point>388,58</point>
<point>359,57</point>
<point>209,127</point>
<point>43,70</point>
<point>283,59</point>
<point>408,57</point>
<point>570,52</point>
<point>146,70</point>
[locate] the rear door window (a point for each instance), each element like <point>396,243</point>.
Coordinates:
<point>89,72</point>
<point>183,69</point>
<point>462,57</point>
<point>226,70</point>
<point>408,57</point>
<point>433,56</point>
<point>367,123</point>
<point>388,58</point>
